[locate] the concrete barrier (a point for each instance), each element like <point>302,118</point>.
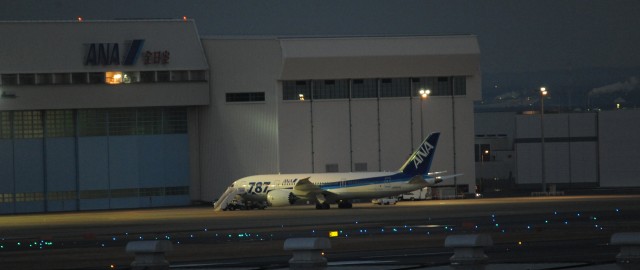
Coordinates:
<point>468,249</point>
<point>149,255</point>
<point>308,253</point>
<point>629,243</point>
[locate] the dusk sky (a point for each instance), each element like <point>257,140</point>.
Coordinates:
<point>515,36</point>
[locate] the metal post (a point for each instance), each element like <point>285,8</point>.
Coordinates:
<point>543,92</point>
<point>421,121</point>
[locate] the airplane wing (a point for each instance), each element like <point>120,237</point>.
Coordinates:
<point>304,186</point>
<point>305,189</point>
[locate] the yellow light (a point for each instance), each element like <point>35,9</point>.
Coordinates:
<point>301,96</point>
<point>113,77</point>
<point>333,234</point>
<point>617,105</point>
<point>424,93</point>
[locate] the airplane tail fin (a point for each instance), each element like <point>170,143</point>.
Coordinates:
<point>420,161</point>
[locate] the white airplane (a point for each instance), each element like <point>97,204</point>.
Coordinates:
<point>324,189</point>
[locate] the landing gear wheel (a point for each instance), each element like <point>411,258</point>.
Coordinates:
<point>322,206</point>
<point>345,205</point>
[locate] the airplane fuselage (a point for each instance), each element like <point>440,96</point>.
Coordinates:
<point>324,189</point>
<point>346,186</point>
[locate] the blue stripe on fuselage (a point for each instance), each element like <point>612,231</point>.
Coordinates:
<point>394,178</point>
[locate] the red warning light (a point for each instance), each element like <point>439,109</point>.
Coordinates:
<point>79,19</point>
<point>184,18</point>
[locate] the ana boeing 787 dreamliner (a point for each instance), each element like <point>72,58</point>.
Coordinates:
<point>324,189</point>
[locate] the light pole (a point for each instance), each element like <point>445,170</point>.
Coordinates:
<point>483,154</point>
<point>424,93</point>
<point>543,94</point>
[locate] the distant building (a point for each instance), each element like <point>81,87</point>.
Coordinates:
<point>582,150</point>
<point>128,114</point>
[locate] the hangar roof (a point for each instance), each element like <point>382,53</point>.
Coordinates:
<point>362,57</point>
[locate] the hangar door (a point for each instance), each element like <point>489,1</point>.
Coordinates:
<point>66,160</point>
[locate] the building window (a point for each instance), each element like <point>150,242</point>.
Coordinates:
<point>131,77</point>
<point>175,120</point>
<point>122,121</point>
<point>113,77</point>
<point>245,97</point>
<point>396,87</point>
<point>149,121</point>
<point>78,78</point>
<point>147,76</point>
<point>373,88</point>
<point>27,124</point>
<point>27,78</point>
<point>360,167</point>
<point>109,77</point>
<point>9,79</point>
<point>163,76</point>
<point>296,90</point>
<point>61,78</point>
<point>179,76</point>
<point>459,86</point>
<point>59,123</point>
<point>92,122</point>
<point>332,167</point>
<point>45,78</point>
<point>423,83</point>
<point>364,88</point>
<point>197,75</point>
<point>330,89</point>
<point>97,78</point>
<point>5,125</point>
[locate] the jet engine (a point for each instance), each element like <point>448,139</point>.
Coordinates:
<point>281,197</point>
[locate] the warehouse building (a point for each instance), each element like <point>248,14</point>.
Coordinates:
<point>129,114</point>
<point>585,150</point>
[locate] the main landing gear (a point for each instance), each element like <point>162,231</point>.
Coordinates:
<point>322,206</point>
<point>344,204</point>
<point>341,205</point>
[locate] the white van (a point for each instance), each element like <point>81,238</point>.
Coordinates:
<point>418,194</point>
<point>385,201</point>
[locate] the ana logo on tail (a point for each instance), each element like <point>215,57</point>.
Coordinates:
<point>422,153</point>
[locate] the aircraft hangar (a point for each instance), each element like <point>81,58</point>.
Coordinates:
<point>131,114</point>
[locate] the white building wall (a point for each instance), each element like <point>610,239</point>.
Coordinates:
<point>395,136</point>
<point>583,162</point>
<point>331,135</point>
<point>294,131</point>
<point>364,131</point>
<point>239,139</point>
<point>464,141</point>
<point>619,156</point>
<point>570,148</point>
